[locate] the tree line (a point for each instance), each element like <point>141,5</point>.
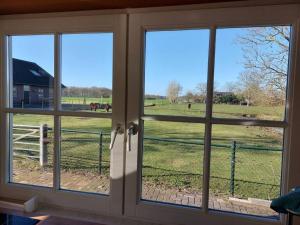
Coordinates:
<point>199,95</point>
<point>87,92</point>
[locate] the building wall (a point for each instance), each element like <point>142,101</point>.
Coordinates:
<point>18,94</point>
<point>37,96</point>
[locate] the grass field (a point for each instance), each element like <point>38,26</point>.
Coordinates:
<point>80,100</point>
<point>162,107</point>
<point>173,152</point>
<point>174,164</point>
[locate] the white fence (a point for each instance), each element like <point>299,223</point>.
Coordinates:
<point>31,142</point>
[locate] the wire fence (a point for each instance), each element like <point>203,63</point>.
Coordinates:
<point>236,170</point>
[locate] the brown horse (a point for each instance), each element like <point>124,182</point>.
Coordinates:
<point>95,106</point>
<point>107,107</point>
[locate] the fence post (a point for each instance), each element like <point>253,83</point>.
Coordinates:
<point>232,167</point>
<point>43,144</point>
<point>100,152</point>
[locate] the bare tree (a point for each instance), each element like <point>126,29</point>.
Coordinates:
<point>189,96</point>
<point>231,87</point>
<point>201,89</point>
<point>249,87</point>
<point>266,51</point>
<point>173,91</point>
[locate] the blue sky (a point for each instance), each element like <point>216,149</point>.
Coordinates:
<point>170,55</point>
<point>86,58</point>
<point>183,55</point>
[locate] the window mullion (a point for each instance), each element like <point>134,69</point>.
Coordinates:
<point>9,74</point>
<point>208,115</point>
<point>2,114</point>
<point>57,107</point>
<point>8,103</point>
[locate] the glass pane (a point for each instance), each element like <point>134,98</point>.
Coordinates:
<point>251,70</point>
<point>87,62</point>
<point>176,72</point>
<point>32,71</point>
<point>85,155</point>
<point>172,162</point>
<point>245,168</point>
<point>32,149</point>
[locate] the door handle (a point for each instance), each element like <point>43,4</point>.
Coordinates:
<point>132,130</point>
<point>116,131</point>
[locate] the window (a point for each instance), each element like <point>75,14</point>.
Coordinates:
<point>172,159</point>
<point>15,92</point>
<point>41,93</point>
<point>31,136</point>
<point>89,56</point>
<point>175,67</point>
<point>245,168</point>
<point>85,141</point>
<point>213,124</point>
<point>250,83</point>
<point>56,144</point>
<point>250,79</point>
<point>32,68</point>
<point>85,154</point>
<point>84,149</point>
<point>26,88</point>
<point>169,89</point>
<point>245,165</point>
<point>31,149</point>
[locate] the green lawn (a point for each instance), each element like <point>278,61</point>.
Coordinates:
<point>79,150</point>
<point>257,173</point>
<point>80,100</point>
<point>173,152</point>
<point>163,107</point>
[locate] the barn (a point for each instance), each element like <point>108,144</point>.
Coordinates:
<point>32,85</point>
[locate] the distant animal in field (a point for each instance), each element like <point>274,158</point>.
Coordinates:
<point>107,107</point>
<point>95,106</point>
<point>150,105</point>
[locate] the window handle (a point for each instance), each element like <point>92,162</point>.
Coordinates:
<point>116,131</point>
<point>132,130</point>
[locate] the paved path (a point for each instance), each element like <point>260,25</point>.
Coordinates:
<point>195,199</point>
<point>92,182</point>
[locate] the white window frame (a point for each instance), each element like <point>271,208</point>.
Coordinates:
<point>210,19</point>
<point>58,24</point>
<point>128,68</point>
